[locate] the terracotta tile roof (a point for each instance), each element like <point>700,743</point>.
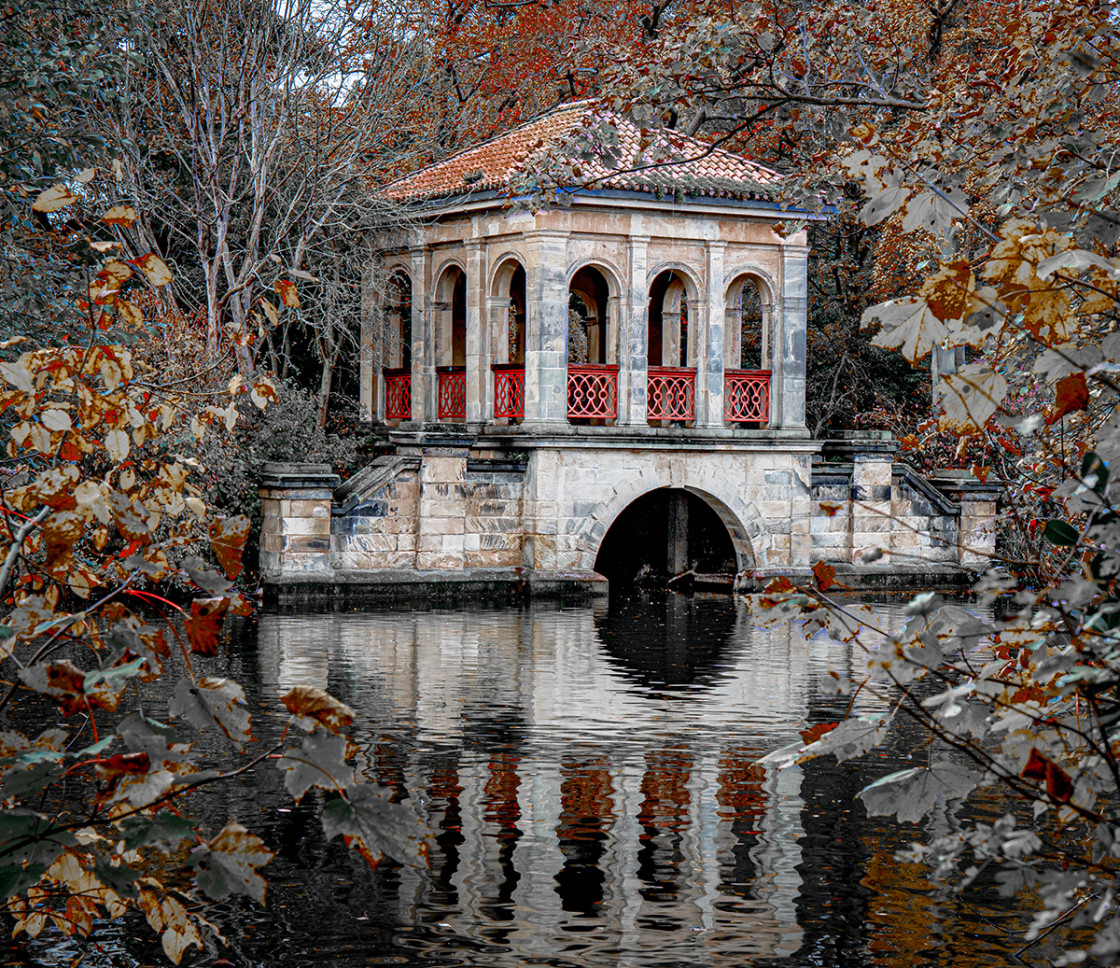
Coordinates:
<point>577,145</point>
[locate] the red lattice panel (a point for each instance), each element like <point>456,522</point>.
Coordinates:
<point>592,391</point>
<point>509,391</point>
<point>671,393</point>
<point>746,396</point>
<point>451,403</point>
<point>398,395</point>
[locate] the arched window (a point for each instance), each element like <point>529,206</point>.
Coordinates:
<point>748,324</point>
<point>588,299</point>
<point>398,329</point>
<point>668,321</point>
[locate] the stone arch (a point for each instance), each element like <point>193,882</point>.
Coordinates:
<point>396,337</point>
<point>593,308</point>
<point>744,523</point>
<point>738,351</point>
<point>673,295</point>
<point>449,314</point>
<point>693,280</point>
<point>506,291</point>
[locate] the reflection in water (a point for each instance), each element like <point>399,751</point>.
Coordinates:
<point>591,779</point>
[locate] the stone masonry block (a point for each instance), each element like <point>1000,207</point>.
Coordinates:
<point>307,526</point>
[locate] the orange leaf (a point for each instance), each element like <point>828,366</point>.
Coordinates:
<point>227,538</point>
<point>1035,768</point>
<point>318,705</point>
<point>816,732</point>
<point>779,585</point>
<point>825,575</point>
<point>830,508</point>
<point>1072,394</point>
<point>981,473</point>
<point>205,624</point>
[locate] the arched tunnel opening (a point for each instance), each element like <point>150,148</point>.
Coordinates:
<point>664,538</point>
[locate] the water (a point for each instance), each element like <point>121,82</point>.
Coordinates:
<point>590,777</point>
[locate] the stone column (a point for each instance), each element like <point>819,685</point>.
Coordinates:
<point>546,337</point>
<point>634,340</point>
<point>296,525</point>
<point>871,503</point>
<point>787,401</point>
<point>478,341</point>
<point>423,362</point>
<point>709,346</point>
<point>369,365</point>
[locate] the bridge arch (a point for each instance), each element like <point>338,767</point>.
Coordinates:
<point>745,526</point>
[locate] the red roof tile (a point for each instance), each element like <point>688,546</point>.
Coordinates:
<point>577,145</point>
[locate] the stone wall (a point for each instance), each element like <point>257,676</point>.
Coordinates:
<point>869,509</point>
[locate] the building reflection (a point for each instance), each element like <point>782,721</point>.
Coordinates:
<point>575,805</point>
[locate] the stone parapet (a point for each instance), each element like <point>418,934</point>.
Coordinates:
<point>296,518</point>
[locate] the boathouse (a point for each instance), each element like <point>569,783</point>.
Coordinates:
<point>608,382</point>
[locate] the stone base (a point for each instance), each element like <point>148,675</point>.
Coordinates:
<point>406,585</point>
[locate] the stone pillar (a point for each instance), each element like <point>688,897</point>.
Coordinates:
<point>709,346</point>
<point>976,533</point>
<point>478,341</point>
<point>871,502</point>
<point>423,362</point>
<point>443,513</point>
<point>634,340</point>
<point>369,364</point>
<point>546,337</point>
<point>296,525</point>
<point>787,403</point>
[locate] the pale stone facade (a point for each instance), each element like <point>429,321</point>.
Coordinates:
<point>535,373</point>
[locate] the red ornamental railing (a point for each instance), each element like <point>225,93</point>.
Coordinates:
<point>509,390</point>
<point>746,396</point>
<point>592,391</point>
<point>671,393</point>
<point>451,401</point>
<point>398,394</point>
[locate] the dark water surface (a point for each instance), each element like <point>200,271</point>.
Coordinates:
<point>590,776</point>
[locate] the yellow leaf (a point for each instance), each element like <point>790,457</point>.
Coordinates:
<point>123,215</point>
<point>54,198</point>
<point>85,176</point>
<point>969,398</point>
<point>128,313</point>
<point>154,268</point>
<point>117,444</point>
<point>270,311</point>
<point>17,376</point>
<point>55,420</point>
<point>289,295</point>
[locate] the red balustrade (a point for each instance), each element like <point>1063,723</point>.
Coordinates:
<point>746,396</point>
<point>592,391</point>
<point>671,393</point>
<point>398,394</point>
<point>509,390</point>
<point>451,402</point>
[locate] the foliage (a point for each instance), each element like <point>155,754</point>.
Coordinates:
<point>986,161</point>
<point>99,497</point>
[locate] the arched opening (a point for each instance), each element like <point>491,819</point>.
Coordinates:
<point>450,317</point>
<point>668,320</point>
<point>588,302</point>
<point>747,354</point>
<point>398,332</point>
<point>396,347</point>
<point>666,537</point>
<point>507,337</point>
<point>592,366</point>
<point>671,376</point>
<point>748,324</point>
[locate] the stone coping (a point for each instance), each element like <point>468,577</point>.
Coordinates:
<point>613,440</point>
